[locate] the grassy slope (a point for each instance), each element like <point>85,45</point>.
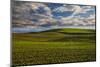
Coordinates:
<point>54,46</point>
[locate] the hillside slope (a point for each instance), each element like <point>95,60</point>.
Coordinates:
<point>53,46</point>
<point>57,35</point>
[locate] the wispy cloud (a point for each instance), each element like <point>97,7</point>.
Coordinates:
<point>35,15</point>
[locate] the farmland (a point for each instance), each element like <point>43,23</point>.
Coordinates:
<point>53,46</point>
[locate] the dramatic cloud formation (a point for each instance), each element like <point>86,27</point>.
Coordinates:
<point>42,16</point>
<point>30,14</point>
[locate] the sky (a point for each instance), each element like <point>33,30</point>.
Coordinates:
<point>32,16</point>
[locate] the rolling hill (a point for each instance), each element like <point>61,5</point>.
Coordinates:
<point>54,46</point>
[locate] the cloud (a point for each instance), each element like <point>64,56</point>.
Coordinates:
<point>26,7</point>
<point>77,21</point>
<point>82,15</point>
<point>39,15</point>
<point>75,9</point>
<point>63,8</point>
<point>30,14</point>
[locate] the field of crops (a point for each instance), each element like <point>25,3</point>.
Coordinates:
<point>53,46</point>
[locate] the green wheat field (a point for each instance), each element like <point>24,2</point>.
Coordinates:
<point>53,46</point>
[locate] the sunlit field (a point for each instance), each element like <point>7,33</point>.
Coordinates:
<point>54,46</point>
